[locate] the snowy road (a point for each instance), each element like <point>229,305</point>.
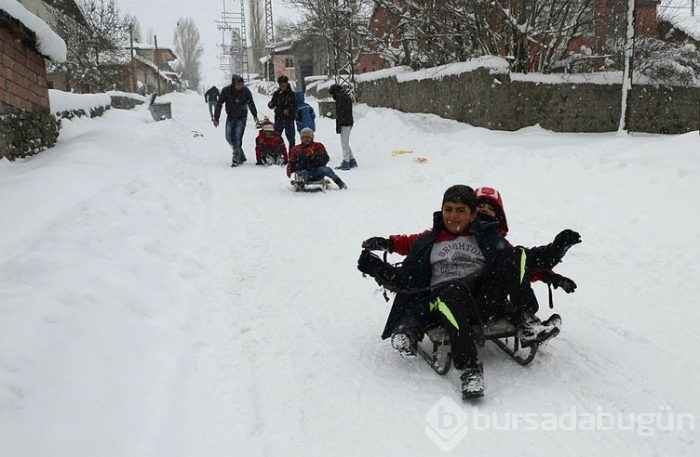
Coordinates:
<point>156,302</point>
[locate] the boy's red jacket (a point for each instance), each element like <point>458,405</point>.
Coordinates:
<point>307,157</point>
<point>273,144</point>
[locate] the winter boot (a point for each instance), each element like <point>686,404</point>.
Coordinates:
<point>353,163</point>
<point>404,343</point>
<point>473,381</point>
<point>531,330</point>
<point>341,185</point>
<point>345,165</point>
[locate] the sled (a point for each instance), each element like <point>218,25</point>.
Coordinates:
<point>435,346</point>
<point>320,185</point>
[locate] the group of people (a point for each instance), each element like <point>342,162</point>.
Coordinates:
<point>309,159</point>
<point>463,272</point>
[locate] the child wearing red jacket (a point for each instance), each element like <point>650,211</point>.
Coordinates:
<point>269,146</point>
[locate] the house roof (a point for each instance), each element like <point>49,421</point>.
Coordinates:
<point>48,43</point>
<point>690,25</point>
<point>70,8</point>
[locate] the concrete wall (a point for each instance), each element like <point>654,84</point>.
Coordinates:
<point>495,102</point>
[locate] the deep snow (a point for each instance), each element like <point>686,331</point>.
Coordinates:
<point>156,302</point>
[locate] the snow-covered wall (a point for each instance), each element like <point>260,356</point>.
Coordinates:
<point>486,96</point>
<point>49,44</point>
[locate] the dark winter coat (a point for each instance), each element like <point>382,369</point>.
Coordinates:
<point>237,103</point>
<point>416,270</point>
<point>343,107</point>
<point>305,114</point>
<point>307,157</point>
<point>284,101</point>
<point>272,145</point>
<point>212,95</point>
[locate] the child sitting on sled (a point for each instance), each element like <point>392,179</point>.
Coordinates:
<point>459,273</point>
<point>308,160</point>
<point>269,146</point>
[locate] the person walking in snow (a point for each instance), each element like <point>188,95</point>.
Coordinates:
<point>211,97</point>
<point>343,124</point>
<point>305,117</point>
<point>309,159</point>
<point>238,100</point>
<point>459,273</point>
<point>284,103</point>
<point>269,146</point>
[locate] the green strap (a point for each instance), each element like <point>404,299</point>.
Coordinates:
<point>442,308</point>
<point>523,262</point>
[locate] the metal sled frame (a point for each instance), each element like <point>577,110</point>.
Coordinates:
<point>321,185</point>
<point>434,348</point>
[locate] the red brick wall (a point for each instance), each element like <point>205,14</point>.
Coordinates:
<point>23,82</point>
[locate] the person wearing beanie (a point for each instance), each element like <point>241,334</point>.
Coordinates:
<point>343,124</point>
<point>269,146</point>
<point>459,273</point>
<point>284,102</point>
<point>238,100</point>
<point>309,161</point>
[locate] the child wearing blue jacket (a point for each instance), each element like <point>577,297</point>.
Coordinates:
<point>305,116</point>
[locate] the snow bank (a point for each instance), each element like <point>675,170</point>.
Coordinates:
<point>64,101</point>
<point>496,65</point>
<point>49,43</point>
<point>119,93</point>
<point>381,74</point>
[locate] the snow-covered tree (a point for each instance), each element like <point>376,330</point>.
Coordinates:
<point>189,50</point>
<point>94,53</point>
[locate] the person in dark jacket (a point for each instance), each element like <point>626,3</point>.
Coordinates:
<point>238,100</point>
<point>211,97</point>
<point>284,102</point>
<point>308,160</point>
<point>306,117</point>
<point>459,273</point>
<point>269,146</point>
<point>343,124</point>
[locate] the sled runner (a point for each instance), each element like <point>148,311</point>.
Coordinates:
<point>299,185</point>
<point>435,346</point>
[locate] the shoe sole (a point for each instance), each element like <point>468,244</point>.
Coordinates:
<point>469,395</point>
<point>526,344</point>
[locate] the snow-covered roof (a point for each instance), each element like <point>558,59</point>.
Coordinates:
<point>161,73</point>
<point>48,43</point>
<point>690,25</point>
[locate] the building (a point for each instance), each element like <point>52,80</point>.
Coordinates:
<point>26,124</point>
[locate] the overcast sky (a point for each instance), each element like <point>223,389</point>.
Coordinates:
<point>162,15</point>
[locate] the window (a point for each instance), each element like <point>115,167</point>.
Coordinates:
<point>289,62</point>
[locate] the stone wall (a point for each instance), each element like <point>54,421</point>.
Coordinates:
<point>26,125</point>
<point>493,101</point>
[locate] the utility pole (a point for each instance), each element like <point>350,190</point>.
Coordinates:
<point>155,58</point>
<point>342,45</point>
<point>627,73</point>
<point>234,50</point>
<point>269,42</point>
<point>132,76</point>
<point>692,7</point>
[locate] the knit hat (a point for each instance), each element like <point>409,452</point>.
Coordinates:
<point>282,79</point>
<point>460,194</point>
<point>492,197</point>
<point>268,126</point>
<point>237,78</point>
<point>306,132</point>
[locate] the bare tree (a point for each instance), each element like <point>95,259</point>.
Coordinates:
<point>257,31</point>
<point>189,50</point>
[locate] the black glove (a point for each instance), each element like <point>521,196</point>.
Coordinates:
<point>557,280</point>
<point>378,244</point>
<point>565,239</point>
<point>385,274</point>
<point>369,263</point>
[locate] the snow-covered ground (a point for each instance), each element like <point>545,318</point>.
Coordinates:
<point>156,302</point>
